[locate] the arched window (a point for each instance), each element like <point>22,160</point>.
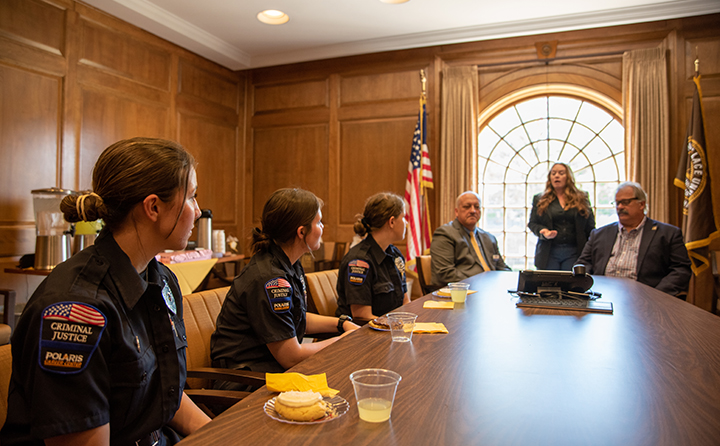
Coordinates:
<point>519,140</point>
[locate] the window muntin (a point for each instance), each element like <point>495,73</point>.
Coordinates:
<point>517,148</point>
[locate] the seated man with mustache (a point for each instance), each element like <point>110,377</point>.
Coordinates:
<point>638,247</point>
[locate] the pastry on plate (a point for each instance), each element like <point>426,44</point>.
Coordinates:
<point>381,323</point>
<point>300,406</point>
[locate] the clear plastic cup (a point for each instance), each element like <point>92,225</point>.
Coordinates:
<point>401,326</point>
<point>458,291</point>
<point>375,393</point>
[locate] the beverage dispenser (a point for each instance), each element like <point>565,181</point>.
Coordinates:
<point>53,235</point>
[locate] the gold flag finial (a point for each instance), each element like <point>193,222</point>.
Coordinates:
<point>423,80</point>
<point>697,63</point>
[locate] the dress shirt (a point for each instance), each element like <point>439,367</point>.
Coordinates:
<point>623,260</point>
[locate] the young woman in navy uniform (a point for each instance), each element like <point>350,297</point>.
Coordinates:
<point>99,351</point>
<point>263,319</point>
<point>371,281</point>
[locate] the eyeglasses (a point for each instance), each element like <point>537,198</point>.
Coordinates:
<point>625,202</point>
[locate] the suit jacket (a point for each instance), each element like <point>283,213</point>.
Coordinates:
<point>583,227</point>
<point>453,257</point>
<point>662,262</point>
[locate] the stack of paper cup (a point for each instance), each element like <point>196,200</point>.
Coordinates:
<point>218,240</point>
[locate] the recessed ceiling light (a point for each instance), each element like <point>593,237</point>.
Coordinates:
<point>273,17</point>
<point>394,1</point>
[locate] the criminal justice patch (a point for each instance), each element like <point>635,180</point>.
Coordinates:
<point>357,271</point>
<point>69,334</point>
<point>279,293</point>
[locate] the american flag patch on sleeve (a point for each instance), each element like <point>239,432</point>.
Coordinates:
<point>279,293</point>
<point>69,335</point>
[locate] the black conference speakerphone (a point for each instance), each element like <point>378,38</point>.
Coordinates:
<point>560,290</point>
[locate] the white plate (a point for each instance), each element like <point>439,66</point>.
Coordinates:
<point>337,407</point>
<point>437,296</point>
<point>378,328</point>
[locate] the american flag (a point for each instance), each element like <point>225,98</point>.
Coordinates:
<point>359,262</point>
<point>74,312</point>
<point>278,283</point>
<point>419,178</point>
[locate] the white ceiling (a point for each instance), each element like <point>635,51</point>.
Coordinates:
<point>228,33</point>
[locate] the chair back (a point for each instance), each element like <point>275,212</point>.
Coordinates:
<point>322,286</point>
<point>332,262</point>
<point>423,263</point>
<point>8,319</point>
<point>200,312</point>
<point>5,372</point>
<point>338,254</point>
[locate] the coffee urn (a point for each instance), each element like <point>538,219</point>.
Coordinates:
<point>204,229</point>
<point>53,234</point>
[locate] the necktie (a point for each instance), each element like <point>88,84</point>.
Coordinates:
<point>483,262</point>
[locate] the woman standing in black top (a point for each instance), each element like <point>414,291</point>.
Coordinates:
<point>562,219</point>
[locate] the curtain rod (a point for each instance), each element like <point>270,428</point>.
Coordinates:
<point>547,61</point>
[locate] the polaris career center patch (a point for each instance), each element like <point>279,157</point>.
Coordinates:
<point>279,293</point>
<point>357,271</point>
<point>69,335</point>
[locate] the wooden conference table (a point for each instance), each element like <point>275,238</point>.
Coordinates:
<point>649,374</point>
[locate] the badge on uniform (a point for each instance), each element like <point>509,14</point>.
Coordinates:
<point>400,265</point>
<point>69,335</point>
<point>357,271</point>
<point>169,298</point>
<point>279,293</point>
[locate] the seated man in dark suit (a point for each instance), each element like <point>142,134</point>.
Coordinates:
<point>459,249</point>
<point>638,247</point>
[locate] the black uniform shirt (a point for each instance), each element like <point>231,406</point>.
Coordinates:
<point>370,276</point>
<point>96,344</point>
<point>266,303</point>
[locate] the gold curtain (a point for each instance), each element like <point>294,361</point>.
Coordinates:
<point>458,140</point>
<point>646,119</point>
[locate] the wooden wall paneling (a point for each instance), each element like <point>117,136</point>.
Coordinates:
<point>214,146</point>
<point>374,157</point>
<point>220,90</point>
<point>331,215</point>
<point>392,86</point>
<point>248,161</point>
<point>34,23</point>
<point>289,157</point>
<point>29,135</point>
<point>291,96</point>
<point>124,56</point>
<point>291,118</point>
<point>708,52</point>
<point>108,117</point>
<point>99,79</point>
<point>497,82</point>
<point>208,103</point>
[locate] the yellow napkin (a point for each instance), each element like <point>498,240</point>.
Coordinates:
<point>446,292</point>
<point>284,382</point>
<point>434,304</point>
<point>430,327</point>
<point>191,274</point>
